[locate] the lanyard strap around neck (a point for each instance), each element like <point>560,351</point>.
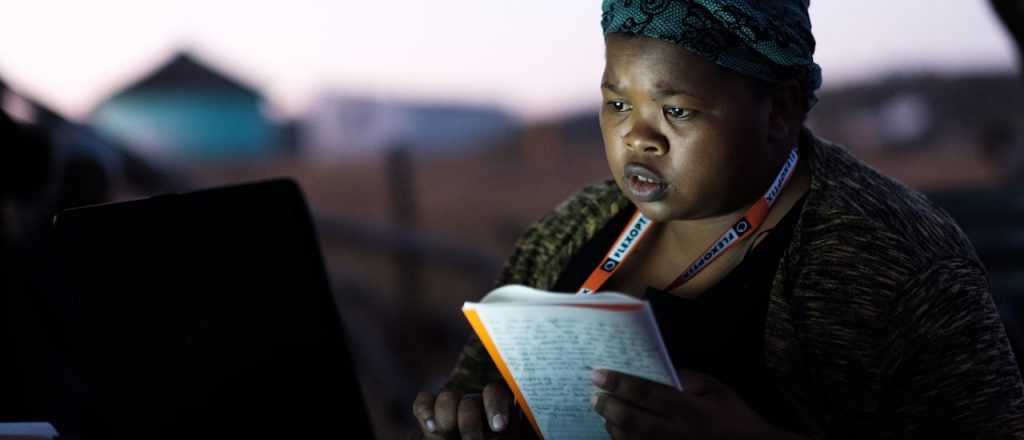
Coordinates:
<point>744,227</point>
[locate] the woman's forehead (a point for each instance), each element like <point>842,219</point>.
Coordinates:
<point>633,61</point>
<point>768,40</point>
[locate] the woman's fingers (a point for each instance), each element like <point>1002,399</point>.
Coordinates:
<point>423,410</point>
<point>697,384</point>
<point>471,416</point>
<point>638,391</point>
<point>437,414</point>
<point>446,412</point>
<point>497,406</point>
<point>622,417</point>
<point>446,415</point>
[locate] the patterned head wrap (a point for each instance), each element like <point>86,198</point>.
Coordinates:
<point>765,39</point>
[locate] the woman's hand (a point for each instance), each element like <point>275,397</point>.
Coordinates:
<point>633,407</point>
<point>473,416</point>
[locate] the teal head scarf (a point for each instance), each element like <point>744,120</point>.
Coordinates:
<point>765,39</point>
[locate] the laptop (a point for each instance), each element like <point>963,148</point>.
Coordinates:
<point>204,314</point>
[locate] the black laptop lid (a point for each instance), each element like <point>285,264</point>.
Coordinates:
<point>206,314</point>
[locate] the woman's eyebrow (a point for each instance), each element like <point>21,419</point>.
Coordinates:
<point>610,87</point>
<point>667,92</point>
<point>660,93</point>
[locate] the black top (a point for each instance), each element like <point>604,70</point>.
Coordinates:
<point>721,332</point>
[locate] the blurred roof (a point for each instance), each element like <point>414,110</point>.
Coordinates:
<point>184,70</point>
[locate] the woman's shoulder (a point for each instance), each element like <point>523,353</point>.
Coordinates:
<point>874,236</point>
<point>584,212</point>
<point>550,242</point>
<point>593,204</point>
<point>853,203</point>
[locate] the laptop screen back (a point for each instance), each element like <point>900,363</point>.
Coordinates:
<point>206,314</point>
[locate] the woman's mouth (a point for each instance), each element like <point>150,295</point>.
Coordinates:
<point>643,184</point>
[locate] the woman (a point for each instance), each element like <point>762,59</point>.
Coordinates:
<point>802,293</point>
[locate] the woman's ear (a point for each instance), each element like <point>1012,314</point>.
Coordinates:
<point>786,113</point>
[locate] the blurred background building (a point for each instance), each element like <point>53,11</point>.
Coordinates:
<point>343,126</point>
<point>188,111</point>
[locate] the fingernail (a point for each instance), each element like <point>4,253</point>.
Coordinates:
<point>497,422</point>
<point>598,377</point>
<point>593,400</point>
<point>431,426</point>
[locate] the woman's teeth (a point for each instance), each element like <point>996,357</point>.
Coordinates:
<point>645,180</point>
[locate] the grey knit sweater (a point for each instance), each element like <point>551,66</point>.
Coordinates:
<point>880,323</point>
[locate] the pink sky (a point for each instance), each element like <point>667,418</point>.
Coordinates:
<point>535,58</point>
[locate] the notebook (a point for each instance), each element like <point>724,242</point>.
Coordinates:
<point>205,314</point>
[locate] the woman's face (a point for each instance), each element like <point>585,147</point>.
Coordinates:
<point>685,138</point>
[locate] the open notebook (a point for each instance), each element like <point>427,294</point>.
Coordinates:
<point>546,344</point>
<point>205,314</point>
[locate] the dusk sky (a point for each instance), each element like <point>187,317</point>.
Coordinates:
<point>535,58</point>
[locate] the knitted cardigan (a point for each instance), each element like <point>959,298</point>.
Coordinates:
<point>880,322</point>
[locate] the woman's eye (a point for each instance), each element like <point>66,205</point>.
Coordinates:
<point>678,113</point>
<point>618,106</point>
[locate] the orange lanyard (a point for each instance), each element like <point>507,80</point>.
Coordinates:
<point>744,227</point>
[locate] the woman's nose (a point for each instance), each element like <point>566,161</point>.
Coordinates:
<point>644,137</point>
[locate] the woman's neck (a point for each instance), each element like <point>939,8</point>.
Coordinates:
<point>681,242</point>
<point>685,233</point>
<point>670,247</point>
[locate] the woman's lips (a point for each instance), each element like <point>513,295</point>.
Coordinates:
<point>643,184</point>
